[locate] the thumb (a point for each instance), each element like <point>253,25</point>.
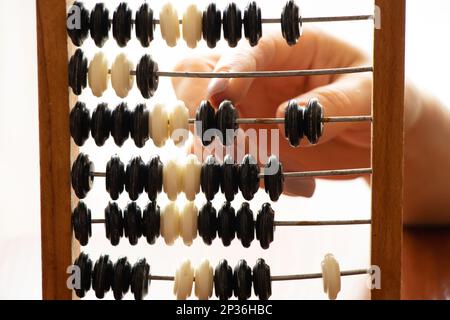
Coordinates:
<point>244,58</point>
<point>348,96</point>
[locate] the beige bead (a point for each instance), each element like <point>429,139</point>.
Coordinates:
<point>188,223</point>
<point>204,280</point>
<point>192,26</point>
<point>179,123</point>
<point>168,22</point>
<point>159,124</point>
<point>170,223</point>
<point>191,177</point>
<point>98,74</point>
<point>172,178</point>
<point>121,79</point>
<point>331,275</point>
<point>184,279</point>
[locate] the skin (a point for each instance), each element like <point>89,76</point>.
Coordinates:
<point>343,145</point>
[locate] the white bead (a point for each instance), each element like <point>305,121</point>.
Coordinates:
<point>192,26</point>
<point>184,279</point>
<point>172,178</point>
<point>168,22</point>
<point>179,123</point>
<point>98,74</point>
<point>159,124</point>
<point>170,223</point>
<point>191,177</point>
<point>331,275</point>
<point>188,223</point>
<point>203,280</point>
<point>121,79</point>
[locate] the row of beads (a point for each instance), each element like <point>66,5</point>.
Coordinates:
<point>195,24</point>
<point>176,177</point>
<point>298,122</point>
<point>157,124</point>
<point>225,281</point>
<point>172,222</point>
<point>97,73</point>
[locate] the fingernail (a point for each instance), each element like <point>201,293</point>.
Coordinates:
<point>217,86</point>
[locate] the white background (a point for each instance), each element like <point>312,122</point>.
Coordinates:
<point>294,250</point>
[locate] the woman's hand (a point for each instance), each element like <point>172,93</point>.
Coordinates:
<point>343,145</point>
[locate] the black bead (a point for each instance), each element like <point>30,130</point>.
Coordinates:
<point>102,276</point>
<point>223,280</point>
<point>265,225</point>
<point>120,123</point>
<point>80,120</point>
<point>291,22</point>
<point>248,177</point>
<point>78,69</point>
<point>81,223</point>
<point>121,278</point>
<point>151,221</point>
<point>226,117</point>
<point>132,222</point>
<point>232,24</point>
<point>274,178</point>
<point>211,25</point>
<point>242,280</point>
<point>135,177</point>
<point>229,183</point>
<point>101,124</point>
<point>139,125</point>
<point>84,263</point>
<point>113,223</point>
<point>81,175</point>
<point>205,120</point>
<point>146,78</point>
<point>154,181</point>
<point>262,284</point>
<point>252,23</point>
<point>294,123</point>
<point>78,17</point>
<point>144,25</point>
<point>100,24</point>
<point>245,225</point>
<point>115,177</point>
<point>313,119</point>
<point>210,177</point>
<point>226,224</point>
<point>122,24</point>
<point>207,223</point>
<point>140,279</point>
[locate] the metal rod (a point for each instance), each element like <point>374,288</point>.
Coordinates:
<point>298,174</point>
<point>281,278</point>
<point>296,223</point>
<point>263,74</point>
<point>317,275</point>
<point>326,173</point>
<point>303,19</point>
<point>281,120</point>
<point>161,278</point>
<point>98,174</point>
<point>322,223</point>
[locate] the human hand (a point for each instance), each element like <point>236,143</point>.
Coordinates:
<point>343,145</point>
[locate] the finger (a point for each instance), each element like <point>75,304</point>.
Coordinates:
<point>315,50</point>
<point>348,96</point>
<point>244,58</point>
<point>193,90</point>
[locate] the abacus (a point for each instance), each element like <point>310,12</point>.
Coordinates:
<point>65,124</point>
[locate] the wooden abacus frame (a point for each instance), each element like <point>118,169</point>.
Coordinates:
<point>57,151</point>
